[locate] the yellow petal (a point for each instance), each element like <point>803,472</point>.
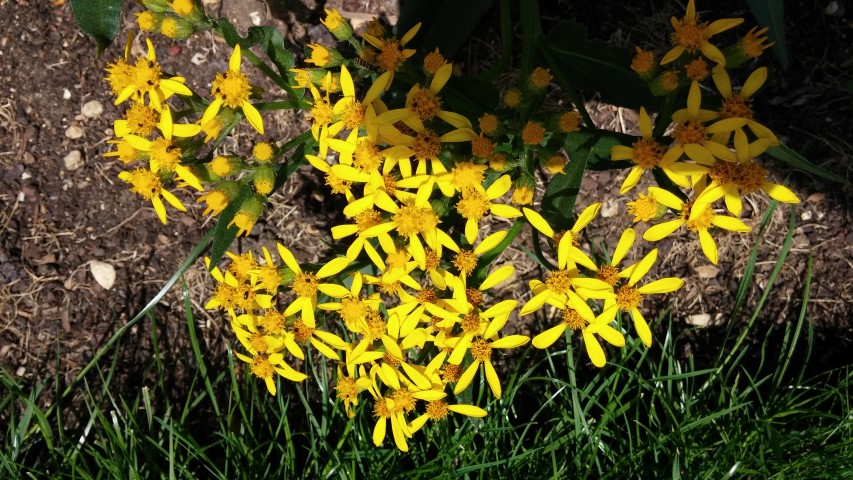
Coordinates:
<point>548,337</point>
<point>664,285</point>
<point>253,116</point>
<point>662,230</point>
<point>467,410</point>
<point>722,81</point>
<point>594,350</point>
<point>538,222</point>
<point>642,328</point>
<point>633,177</point>
<point>779,192</point>
<point>490,242</point>
<point>492,379</point>
<point>497,276</point>
<point>586,216</point>
<point>234,60</point>
<point>626,241</point>
<point>466,377</point>
<point>709,248</point>
<point>730,223</point>
<point>511,341</point>
<point>288,259</point>
<point>643,267</point>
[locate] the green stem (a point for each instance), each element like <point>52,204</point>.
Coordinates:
<point>663,120</point>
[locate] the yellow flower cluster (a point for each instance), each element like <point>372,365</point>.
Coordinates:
<point>147,133</point>
<point>710,152</point>
<point>409,309</point>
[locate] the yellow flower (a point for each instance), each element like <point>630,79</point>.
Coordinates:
<point>629,297</point>
<point>392,53</point>
<point>739,105</point>
<point>423,104</point>
<point>745,176</point>
<point>148,185</point>
<point>697,216</point>
<point>336,24</point>
<point>139,120</point>
<point>644,63</point>
<point>645,208</point>
<point>433,61</point>
<point>231,89</point>
<point>589,325</point>
<point>438,410</point>
<point>691,36</point>
<point>533,133</point>
<point>146,78</point>
<point>163,153</point>
<point>481,351</point>
<point>565,284</point>
<point>692,136</point>
<point>475,203</point>
<point>306,286</point>
<point>647,153</point>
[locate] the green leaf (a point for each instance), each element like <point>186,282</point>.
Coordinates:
<point>558,203</point>
<point>223,234</point>
<point>470,97</point>
<point>771,13</point>
<point>98,19</point>
<point>596,145</point>
<point>595,65</point>
<point>794,159</point>
<point>446,24</point>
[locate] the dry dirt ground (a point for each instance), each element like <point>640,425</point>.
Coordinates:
<point>62,207</point>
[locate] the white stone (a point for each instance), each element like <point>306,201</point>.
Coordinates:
<point>806,216</point>
<point>707,271</point>
<point>92,109</point>
<point>73,132</point>
<point>104,273</point>
<point>699,320</point>
<point>66,94</point>
<point>73,160</point>
<point>610,208</point>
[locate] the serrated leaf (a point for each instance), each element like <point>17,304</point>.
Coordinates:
<point>99,19</point>
<point>794,159</point>
<point>593,64</point>
<point>771,13</point>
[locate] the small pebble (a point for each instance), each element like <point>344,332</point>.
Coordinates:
<point>174,50</point>
<point>66,94</point>
<point>73,160</point>
<point>92,109</point>
<point>73,132</point>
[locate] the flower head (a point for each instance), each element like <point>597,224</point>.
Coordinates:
<point>231,89</point>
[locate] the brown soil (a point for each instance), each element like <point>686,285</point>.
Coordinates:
<point>58,214</point>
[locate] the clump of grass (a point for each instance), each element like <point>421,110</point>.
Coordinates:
<point>650,414</point>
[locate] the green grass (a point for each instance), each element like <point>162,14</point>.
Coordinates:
<point>750,410</point>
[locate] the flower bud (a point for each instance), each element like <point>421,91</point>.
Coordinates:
<point>223,166</point>
<point>149,21</point>
<point>264,179</point>
<point>665,83</point>
<point>176,28</point>
<point>218,198</point>
<point>336,24</point>
<point>247,215</point>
